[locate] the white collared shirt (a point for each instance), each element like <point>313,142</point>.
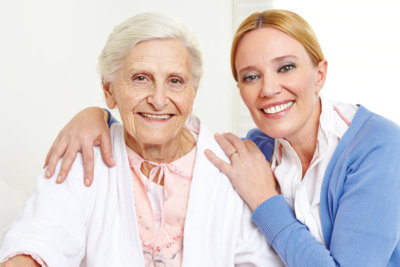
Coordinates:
<point>303,195</point>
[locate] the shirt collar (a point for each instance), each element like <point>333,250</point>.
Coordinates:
<point>334,121</point>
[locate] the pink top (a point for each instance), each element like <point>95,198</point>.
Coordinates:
<point>162,232</point>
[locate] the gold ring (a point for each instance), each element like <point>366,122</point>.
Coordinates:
<point>233,153</point>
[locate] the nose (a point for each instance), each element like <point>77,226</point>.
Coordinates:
<point>158,98</point>
<point>270,86</point>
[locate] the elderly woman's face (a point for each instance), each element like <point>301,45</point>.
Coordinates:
<point>154,91</point>
<point>279,83</point>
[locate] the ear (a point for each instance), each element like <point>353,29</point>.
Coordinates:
<point>109,95</point>
<point>322,69</point>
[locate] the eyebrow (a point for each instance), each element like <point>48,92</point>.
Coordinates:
<point>150,72</point>
<point>283,58</point>
<point>277,59</point>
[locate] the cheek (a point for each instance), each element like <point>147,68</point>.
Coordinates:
<point>249,97</point>
<point>184,102</point>
<point>303,87</point>
<point>128,101</point>
<point>309,83</point>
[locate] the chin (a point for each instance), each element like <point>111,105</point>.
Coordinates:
<point>277,132</point>
<point>154,140</point>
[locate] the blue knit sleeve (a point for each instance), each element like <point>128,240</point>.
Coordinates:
<point>263,141</point>
<point>111,119</point>
<point>290,238</point>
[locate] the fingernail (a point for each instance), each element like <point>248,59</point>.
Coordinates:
<point>47,173</point>
<point>60,177</point>
<point>111,160</point>
<point>87,181</point>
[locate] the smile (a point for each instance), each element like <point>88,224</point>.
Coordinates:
<point>278,108</point>
<point>156,117</point>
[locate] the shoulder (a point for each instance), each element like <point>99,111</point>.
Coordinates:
<point>75,175</point>
<point>372,130</point>
<point>210,176</point>
<point>206,140</point>
<point>368,150</point>
<point>263,141</point>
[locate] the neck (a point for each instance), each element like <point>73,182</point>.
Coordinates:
<point>164,153</point>
<point>305,141</point>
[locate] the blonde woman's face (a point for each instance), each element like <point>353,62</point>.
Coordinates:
<point>154,92</point>
<point>278,82</point>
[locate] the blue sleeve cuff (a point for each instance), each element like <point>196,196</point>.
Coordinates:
<point>111,119</point>
<point>272,216</point>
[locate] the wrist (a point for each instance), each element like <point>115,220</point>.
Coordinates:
<point>258,200</point>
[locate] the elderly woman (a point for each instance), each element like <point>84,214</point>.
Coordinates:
<point>330,196</point>
<point>163,203</point>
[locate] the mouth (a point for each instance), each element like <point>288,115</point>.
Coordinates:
<point>278,108</point>
<point>157,117</point>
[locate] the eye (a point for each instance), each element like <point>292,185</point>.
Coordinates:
<point>287,67</point>
<point>250,78</point>
<point>175,83</point>
<point>139,78</point>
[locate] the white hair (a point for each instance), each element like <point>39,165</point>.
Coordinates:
<point>143,27</point>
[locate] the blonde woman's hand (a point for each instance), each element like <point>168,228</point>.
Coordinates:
<point>87,129</point>
<point>249,172</point>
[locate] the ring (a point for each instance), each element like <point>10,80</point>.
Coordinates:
<point>233,153</point>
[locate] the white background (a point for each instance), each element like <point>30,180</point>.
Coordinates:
<point>49,49</point>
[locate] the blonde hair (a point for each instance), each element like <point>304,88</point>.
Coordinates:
<point>143,27</point>
<point>286,21</point>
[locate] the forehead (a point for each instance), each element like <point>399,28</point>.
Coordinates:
<point>167,54</point>
<point>267,44</point>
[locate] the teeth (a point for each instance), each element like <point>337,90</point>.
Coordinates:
<point>278,108</point>
<point>156,117</point>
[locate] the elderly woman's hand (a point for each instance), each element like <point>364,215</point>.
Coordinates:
<point>250,173</point>
<point>20,260</point>
<point>87,129</point>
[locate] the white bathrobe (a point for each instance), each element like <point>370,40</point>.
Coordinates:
<point>73,225</point>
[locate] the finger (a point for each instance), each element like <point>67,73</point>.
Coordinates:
<point>254,149</point>
<point>87,158</point>
<point>219,163</point>
<point>235,141</point>
<point>55,153</point>
<point>51,150</point>
<point>251,146</point>
<point>106,150</point>
<point>66,164</point>
<point>225,144</point>
<point>48,157</point>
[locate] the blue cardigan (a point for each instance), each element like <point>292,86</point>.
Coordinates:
<point>360,202</point>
